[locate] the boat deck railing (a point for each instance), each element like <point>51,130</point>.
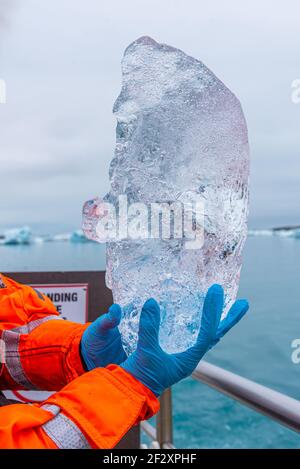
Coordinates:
<point>273,404</point>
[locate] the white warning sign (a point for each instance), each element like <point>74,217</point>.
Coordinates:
<point>71,300</point>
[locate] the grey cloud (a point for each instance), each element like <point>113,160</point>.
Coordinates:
<point>7,8</point>
<point>63,74</point>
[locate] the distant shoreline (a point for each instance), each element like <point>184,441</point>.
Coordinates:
<point>286,228</point>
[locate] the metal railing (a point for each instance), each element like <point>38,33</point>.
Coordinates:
<point>273,404</point>
<point>162,435</point>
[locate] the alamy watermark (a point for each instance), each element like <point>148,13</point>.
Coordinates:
<point>138,220</point>
<point>2,91</point>
<point>295,96</point>
<point>295,357</point>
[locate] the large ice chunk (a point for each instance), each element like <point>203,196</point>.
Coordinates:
<point>181,134</point>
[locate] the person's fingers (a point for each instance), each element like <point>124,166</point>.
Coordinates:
<point>149,323</point>
<point>235,314</point>
<point>211,315</point>
<point>109,320</point>
<point>115,314</point>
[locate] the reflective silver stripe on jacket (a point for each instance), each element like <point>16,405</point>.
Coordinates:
<point>63,431</point>
<point>2,284</point>
<point>11,339</point>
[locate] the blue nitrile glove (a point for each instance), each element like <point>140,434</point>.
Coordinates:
<point>101,342</point>
<point>158,370</point>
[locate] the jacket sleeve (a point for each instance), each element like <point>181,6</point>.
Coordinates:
<point>94,411</point>
<point>41,350</point>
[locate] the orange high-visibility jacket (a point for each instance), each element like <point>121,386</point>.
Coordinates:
<point>41,351</point>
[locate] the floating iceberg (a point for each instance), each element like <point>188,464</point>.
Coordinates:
<point>16,236</point>
<point>282,232</point>
<point>181,136</point>
<point>24,235</point>
<point>78,237</point>
<point>287,232</point>
<point>260,233</point>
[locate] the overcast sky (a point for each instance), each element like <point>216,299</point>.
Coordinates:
<point>61,62</point>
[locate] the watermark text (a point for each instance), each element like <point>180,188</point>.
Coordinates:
<point>157,220</point>
<point>295,96</point>
<point>2,91</point>
<point>295,357</point>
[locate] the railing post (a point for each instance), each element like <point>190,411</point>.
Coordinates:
<point>164,420</point>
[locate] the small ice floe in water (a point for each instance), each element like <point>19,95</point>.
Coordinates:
<point>287,232</point>
<point>15,236</point>
<point>181,136</point>
<point>260,233</point>
<point>282,232</point>
<point>60,237</point>
<point>76,236</point>
<point>79,237</point>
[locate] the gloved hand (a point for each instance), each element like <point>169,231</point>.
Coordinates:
<point>158,370</point>
<point>101,342</point>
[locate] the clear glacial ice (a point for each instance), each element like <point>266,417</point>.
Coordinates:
<point>181,134</point>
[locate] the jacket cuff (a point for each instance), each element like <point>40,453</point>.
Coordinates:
<point>105,403</point>
<point>131,382</point>
<point>51,364</point>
